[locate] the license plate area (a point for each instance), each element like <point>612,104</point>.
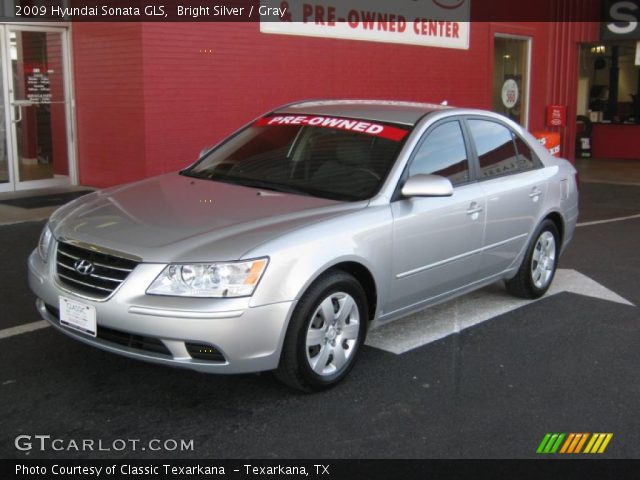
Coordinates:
<point>78,316</point>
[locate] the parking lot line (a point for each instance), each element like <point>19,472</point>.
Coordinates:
<point>20,329</point>
<point>609,220</point>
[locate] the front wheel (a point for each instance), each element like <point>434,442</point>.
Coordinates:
<point>325,333</point>
<point>539,265</point>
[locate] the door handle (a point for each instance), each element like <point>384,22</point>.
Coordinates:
<point>535,192</point>
<point>19,119</point>
<point>474,209</point>
<point>19,104</point>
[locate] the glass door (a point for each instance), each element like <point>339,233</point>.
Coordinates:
<point>511,77</point>
<point>36,108</point>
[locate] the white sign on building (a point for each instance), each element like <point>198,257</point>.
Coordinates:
<point>431,23</point>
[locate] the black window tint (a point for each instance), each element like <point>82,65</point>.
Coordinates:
<point>496,150</point>
<point>526,158</point>
<point>443,153</point>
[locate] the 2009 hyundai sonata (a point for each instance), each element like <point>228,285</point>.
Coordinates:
<point>281,246</point>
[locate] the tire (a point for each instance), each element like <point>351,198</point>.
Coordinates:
<point>534,277</point>
<point>325,333</point>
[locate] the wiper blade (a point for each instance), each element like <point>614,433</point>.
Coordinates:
<point>274,187</point>
<point>190,174</point>
<point>251,183</point>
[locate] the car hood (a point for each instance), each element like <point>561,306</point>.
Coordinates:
<point>173,218</point>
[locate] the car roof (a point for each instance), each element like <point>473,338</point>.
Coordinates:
<point>408,113</point>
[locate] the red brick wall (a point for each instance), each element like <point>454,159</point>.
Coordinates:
<point>109,102</point>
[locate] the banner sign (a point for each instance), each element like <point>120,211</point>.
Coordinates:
<point>431,23</point>
<point>352,125</point>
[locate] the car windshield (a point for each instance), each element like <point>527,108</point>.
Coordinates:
<point>328,157</point>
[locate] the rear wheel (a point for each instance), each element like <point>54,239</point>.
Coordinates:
<point>539,265</point>
<point>325,333</point>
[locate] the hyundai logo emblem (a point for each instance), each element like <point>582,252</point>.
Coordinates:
<point>84,267</point>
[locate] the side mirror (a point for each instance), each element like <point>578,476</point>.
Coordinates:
<point>427,186</point>
<point>204,151</point>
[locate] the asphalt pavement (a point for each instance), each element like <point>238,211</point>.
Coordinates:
<point>566,363</point>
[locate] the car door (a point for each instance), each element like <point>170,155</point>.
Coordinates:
<point>514,185</point>
<point>437,240</point>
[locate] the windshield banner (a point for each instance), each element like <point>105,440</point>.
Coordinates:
<point>353,125</point>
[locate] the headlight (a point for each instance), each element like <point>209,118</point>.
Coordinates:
<point>45,243</point>
<point>234,279</point>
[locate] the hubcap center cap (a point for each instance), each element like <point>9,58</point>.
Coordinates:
<point>332,333</point>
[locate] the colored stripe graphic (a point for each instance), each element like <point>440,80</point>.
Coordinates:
<point>568,442</point>
<point>605,443</point>
<point>581,443</point>
<point>590,444</point>
<point>543,443</point>
<point>550,443</point>
<point>598,442</point>
<point>572,443</point>
<point>577,438</point>
<point>555,447</point>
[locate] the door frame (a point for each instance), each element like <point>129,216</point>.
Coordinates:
<point>9,185</point>
<point>14,183</point>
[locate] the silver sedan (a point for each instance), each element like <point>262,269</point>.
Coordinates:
<point>281,246</point>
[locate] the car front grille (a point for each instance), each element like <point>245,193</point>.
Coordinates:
<point>137,342</point>
<point>104,274</point>
<point>125,339</point>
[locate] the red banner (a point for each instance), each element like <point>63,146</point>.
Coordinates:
<point>352,125</point>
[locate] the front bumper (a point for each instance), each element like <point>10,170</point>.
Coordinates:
<point>164,329</point>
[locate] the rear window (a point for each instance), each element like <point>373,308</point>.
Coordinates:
<point>330,157</point>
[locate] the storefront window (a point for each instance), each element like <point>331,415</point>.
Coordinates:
<point>609,83</point>
<point>511,78</point>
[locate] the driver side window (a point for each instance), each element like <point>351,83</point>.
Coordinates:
<point>444,153</point>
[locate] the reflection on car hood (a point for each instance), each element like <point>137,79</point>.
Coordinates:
<point>177,218</point>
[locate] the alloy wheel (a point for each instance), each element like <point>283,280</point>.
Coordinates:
<point>543,261</point>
